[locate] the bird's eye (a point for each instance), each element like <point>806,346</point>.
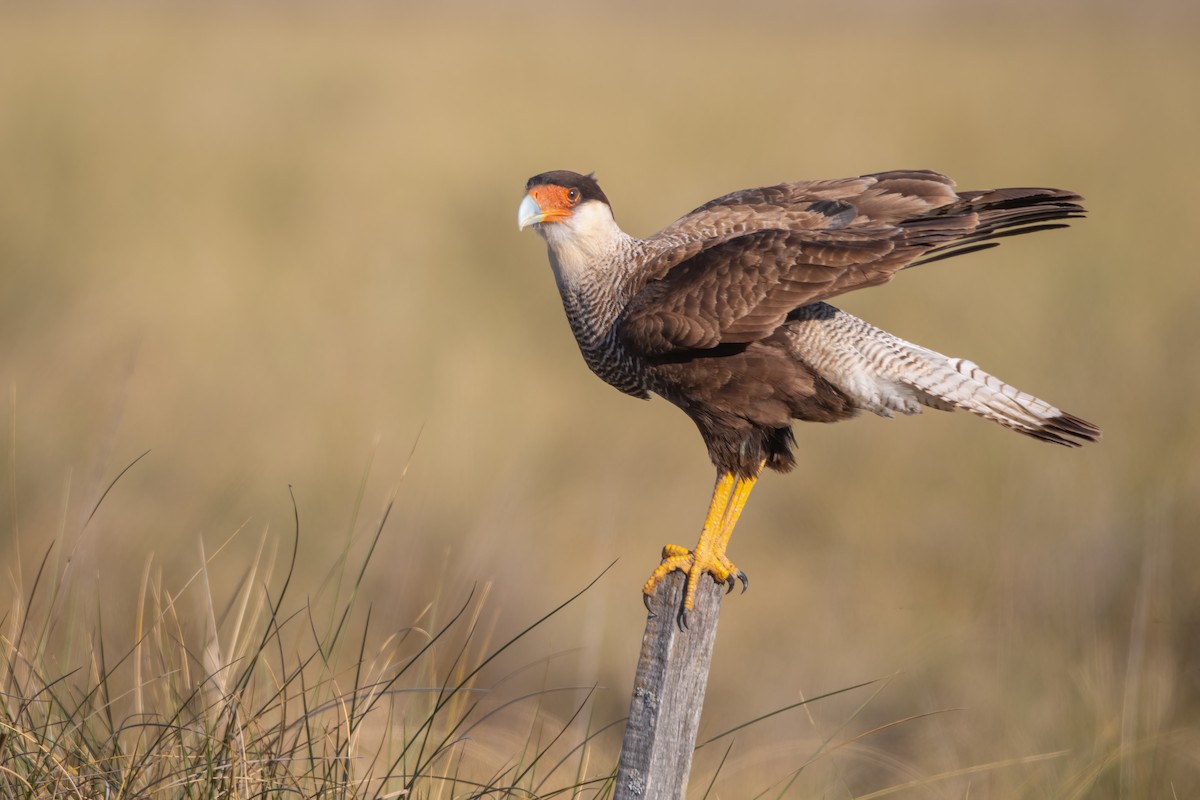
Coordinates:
<point>572,196</point>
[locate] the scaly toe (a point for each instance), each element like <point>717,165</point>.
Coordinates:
<point>694,564</point>
<point>670,551</point>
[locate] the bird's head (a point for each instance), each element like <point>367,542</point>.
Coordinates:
<point>572,214</point>
<point>558,198</point>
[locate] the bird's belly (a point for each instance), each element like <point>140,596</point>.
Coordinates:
<point>761,385</point>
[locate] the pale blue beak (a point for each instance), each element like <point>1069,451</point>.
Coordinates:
<point>529,213</point>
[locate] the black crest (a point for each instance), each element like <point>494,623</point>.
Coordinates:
<point>586,184</point>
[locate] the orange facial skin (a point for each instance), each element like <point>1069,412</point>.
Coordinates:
<point>556,202</point>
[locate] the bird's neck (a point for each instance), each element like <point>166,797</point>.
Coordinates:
<point>593,260</point>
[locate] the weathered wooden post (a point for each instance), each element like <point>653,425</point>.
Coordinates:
<point>668,694</point>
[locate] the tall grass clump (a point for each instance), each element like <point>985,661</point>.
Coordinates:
<point>266,693</point>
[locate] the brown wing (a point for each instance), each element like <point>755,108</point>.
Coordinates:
<point>733,269</point>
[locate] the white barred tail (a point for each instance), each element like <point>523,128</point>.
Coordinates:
<point>962,384</point>
<point>883,373</point>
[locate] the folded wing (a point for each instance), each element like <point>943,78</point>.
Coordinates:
<point>732,270</point>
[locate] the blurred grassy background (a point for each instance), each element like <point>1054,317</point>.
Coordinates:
<point>278,247</point>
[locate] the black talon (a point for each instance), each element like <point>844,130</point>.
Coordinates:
<point>741,576</point>
<point>729,585</point>
<point>646,601</point>
<point>683,624</point>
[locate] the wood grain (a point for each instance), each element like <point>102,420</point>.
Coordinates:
<point>668,694</point>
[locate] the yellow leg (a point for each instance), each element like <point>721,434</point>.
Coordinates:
<point>728,500</point>
<point>741,493</point>
<point>676,557</point>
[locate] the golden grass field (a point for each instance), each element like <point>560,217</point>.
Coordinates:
<point>278,248</point>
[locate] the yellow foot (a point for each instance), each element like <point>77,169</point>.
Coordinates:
<point>680,558</point>
<point>729,497</point>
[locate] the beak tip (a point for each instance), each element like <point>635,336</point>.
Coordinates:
<point>528,213</point>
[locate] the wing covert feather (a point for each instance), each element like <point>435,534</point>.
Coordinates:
<point>732,270</point>
<point>743,288</point>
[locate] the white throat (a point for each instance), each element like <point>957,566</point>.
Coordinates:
<point>586,248</point>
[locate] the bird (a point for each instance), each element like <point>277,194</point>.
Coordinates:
<point>723,313</point>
